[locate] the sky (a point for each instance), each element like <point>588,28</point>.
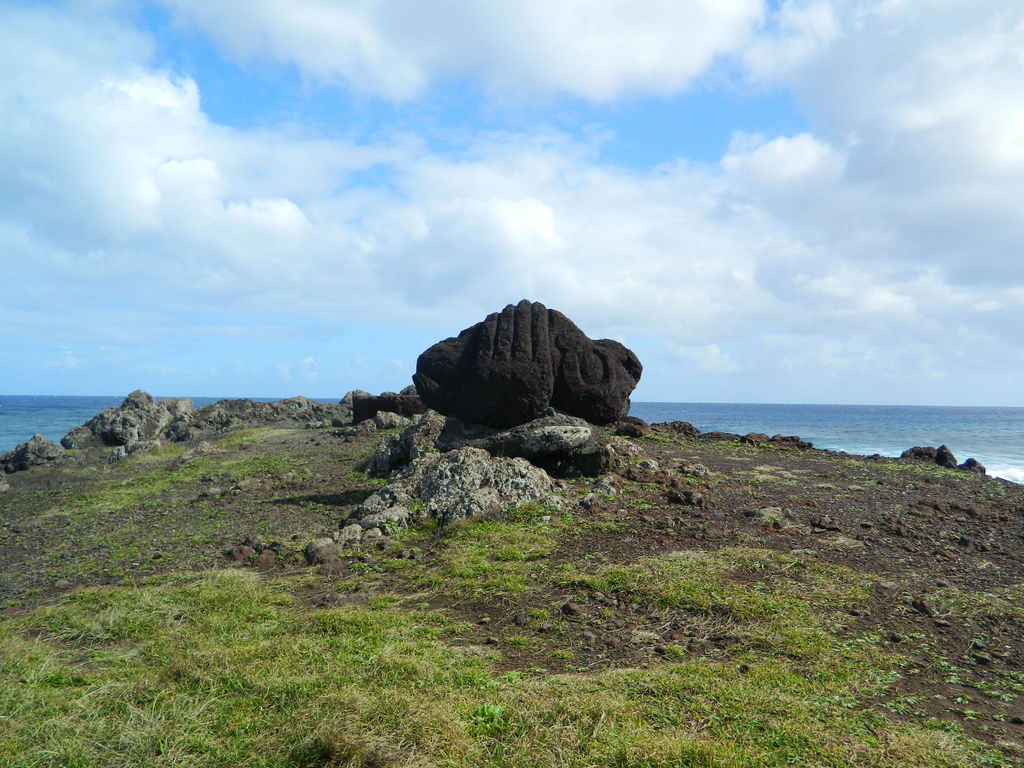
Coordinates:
<point>805,201</point>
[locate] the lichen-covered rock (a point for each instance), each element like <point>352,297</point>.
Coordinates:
<point>553,435</point>
<point>467,482</point>
<point>36,452</point>
<point>390,420</point>
<point>510,367</point>
<point>414,441</point>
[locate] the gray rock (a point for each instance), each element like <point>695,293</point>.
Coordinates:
<point>138,417</point>
<point>177,407</point>
<point>462,483</point>
<point>416,440</point>
<point>4,485</point>
<point>388,520</point>
<point>556,434</point>
<point>698,471</point>
<point>349,535</point>
<point>388,420</point>
<point>320,551</point>
<point>606,485</point>
<point>237,414</point>
<point>36,452</point>
<point>116,453</point>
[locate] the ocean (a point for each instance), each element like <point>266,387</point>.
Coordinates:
<point>994,436</point>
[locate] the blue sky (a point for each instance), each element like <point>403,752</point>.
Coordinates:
<point>797,201</point>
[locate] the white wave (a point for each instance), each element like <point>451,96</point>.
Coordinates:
<point>1013,474</point>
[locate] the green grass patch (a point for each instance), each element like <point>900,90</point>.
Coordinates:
<point>230,669</point>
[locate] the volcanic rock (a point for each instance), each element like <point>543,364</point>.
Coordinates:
<point>466,482</point>
<point>367,406</point>
<point>139,417</point>
<point>941,455</point>
<point>36,452</point>
<point>509,368</point>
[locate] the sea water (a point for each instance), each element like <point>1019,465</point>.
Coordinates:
<point>994,436</point>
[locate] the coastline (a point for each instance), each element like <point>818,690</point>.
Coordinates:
<point>991,435</point>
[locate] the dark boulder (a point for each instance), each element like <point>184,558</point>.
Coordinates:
<point>973,465</point>
<point>684,428</point>
<point>509,368</point>
<point>790,441</point>
<point>367,406</point>
<point>631,426</point>
<point>941,455</point>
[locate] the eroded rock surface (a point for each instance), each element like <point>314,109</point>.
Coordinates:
<point>36,452</point>
<point>515,364</point>
<point>139,417</point>
<point>466,482</point>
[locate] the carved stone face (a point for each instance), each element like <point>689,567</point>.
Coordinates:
<point>509,368</point>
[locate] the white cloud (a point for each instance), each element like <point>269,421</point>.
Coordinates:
<point>881,243</point>
<point>597,49</point>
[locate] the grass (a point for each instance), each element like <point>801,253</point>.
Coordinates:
<point>729,658</point>
<point>231,669</point>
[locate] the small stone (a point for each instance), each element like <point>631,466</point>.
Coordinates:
<point>922,606</point>
<point>588,636</point>
<point>484,620</point>
<point>62,583</point>
<point>520,619</point>
<point>492,640</point>
<point>571,609</point>
<point>319,551</point>
<point>266,560</point>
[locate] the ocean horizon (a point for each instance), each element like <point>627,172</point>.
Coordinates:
<point>992,435</point>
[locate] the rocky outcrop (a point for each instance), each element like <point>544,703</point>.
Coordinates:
<point>515,364</point>
<point>140,420</point>
<point>139,417</point>
<point>973,465</point>
<point>36,452</point>
<point>397,450</point>
<point>238,414</point>
<point>467,482</point>
<point>943,457</point>
<point>552,442</point>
